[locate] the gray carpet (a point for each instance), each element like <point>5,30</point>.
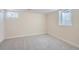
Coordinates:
<point>39,42</point>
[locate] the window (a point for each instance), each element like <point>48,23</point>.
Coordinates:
<point>65,18</point>
<point>12,14</point>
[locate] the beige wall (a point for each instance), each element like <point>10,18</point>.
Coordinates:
<point>26,24</point>
<point>68,34</point>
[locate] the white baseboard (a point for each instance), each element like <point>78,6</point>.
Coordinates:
<point>25,35</point>
<point>67,41</point>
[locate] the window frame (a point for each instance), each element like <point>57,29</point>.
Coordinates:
<point>61,20</point>
<point>11,14</point>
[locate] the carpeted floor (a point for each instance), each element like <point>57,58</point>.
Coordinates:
<point>39,42</point>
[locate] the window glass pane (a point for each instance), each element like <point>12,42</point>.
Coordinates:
<point>65,18</point>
